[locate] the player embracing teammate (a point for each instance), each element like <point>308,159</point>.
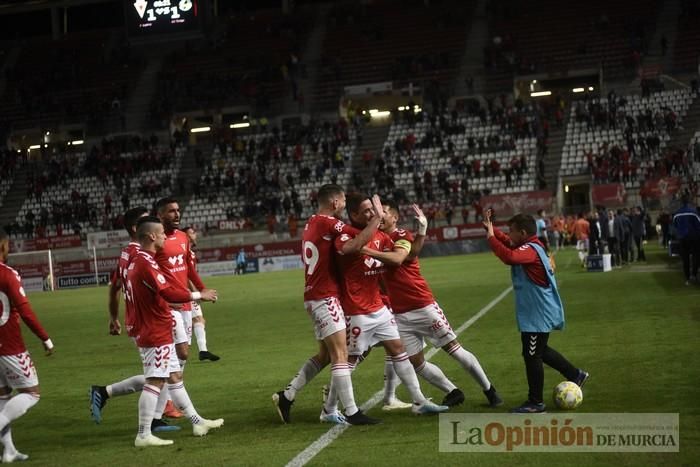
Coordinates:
<point>322,303</point>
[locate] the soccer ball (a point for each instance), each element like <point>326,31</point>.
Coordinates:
<point>567,395</point>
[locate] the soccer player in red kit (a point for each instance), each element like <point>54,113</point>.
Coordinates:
<point>418,314</point>
<point>368,320</point>
<point>100,394</point>
<point>198,322</point>
<point>321,302</point>
<point>150,289</point>
<point>176,257</point>
<point>16,367</point>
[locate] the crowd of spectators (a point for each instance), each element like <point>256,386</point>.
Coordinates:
<point>266,170</point>
<point>115,164</point>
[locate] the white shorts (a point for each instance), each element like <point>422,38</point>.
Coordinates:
<point>365,331</point>
<point>17,371</point>
<point>196,310</point>
<point>582,245</point>
<point>182,326</point>
<point>425,323</point>
<point>159,362</point>
<point>327,316</point>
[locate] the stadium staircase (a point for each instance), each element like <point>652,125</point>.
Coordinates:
<point>373,141</point>
<point>691,124</point>
<point>472,62</point>
<point>14,199</point>
<point>138,107</point>
<point>552,161</point>
<point>189,172</point>
<point>311,58</point>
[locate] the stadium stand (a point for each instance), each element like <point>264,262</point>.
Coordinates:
<point>687,47</point>
<point>271,172</point>
<point>551,36</point>
<point>623,138</point>
<point>219,72</point>
<point>9,163</point>
<point>391,41</point>
<point>74,191</point>
<point>81,78</point>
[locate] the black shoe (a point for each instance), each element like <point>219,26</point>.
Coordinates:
<point>529,407</point>
<point>283,405</point>
<point>455,397</point>
<point>359,418</point>
<point>493,397</point>
<point>581,378</point>
<point>206,355</point>
<point>160,425</point>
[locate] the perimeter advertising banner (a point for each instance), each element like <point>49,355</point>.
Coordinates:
<point>609,194</point>
<point>509,204</point>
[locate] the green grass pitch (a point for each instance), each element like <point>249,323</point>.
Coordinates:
<point>635,330</point>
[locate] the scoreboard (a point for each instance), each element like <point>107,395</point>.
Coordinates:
<point>150,17</point>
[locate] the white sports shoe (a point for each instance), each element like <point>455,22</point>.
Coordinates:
<point>395,404</point>
<point>205,425</point>
<point>428,407</point>
<point>8,457</point>
<point>150,440</point>
<point>337,417</point>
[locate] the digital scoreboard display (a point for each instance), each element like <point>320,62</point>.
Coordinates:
<point>148,17</point>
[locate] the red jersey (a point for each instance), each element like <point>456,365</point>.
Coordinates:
<point>407,288</point>
<point>149,289</point>
<point>13,305</point>
<point>127,255</point>
<point>524,255</point>
<point>176,258</point>
<point>359,283</point>
<point>317,254</point>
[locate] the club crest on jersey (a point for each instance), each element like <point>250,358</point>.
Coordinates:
<point>376,243</point>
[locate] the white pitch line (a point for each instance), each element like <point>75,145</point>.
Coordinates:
<point>328,437</point>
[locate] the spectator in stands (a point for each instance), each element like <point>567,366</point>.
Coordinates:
<point>687,226</point>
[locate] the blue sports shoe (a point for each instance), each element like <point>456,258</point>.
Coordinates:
<point>337,417</point>
<point>159,425</point>
<point>529,407</point>
<point>98,399</point>
<point>428,407</point>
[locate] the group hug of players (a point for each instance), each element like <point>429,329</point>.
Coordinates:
<point>363,288</point>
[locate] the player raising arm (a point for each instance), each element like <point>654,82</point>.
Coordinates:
<point>16,367</point>
<point>419,316</point>
<point>321,300</point>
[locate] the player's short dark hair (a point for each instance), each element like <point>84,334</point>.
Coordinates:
<point>328,191</point>
<point>161,203</point>
<point>392,205</point>
<point>144,225</point>
<point>353,201</point>
<point>3,235</point>
<point>540,212</point>
<point>131,217</point>
<point>523,222</point>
